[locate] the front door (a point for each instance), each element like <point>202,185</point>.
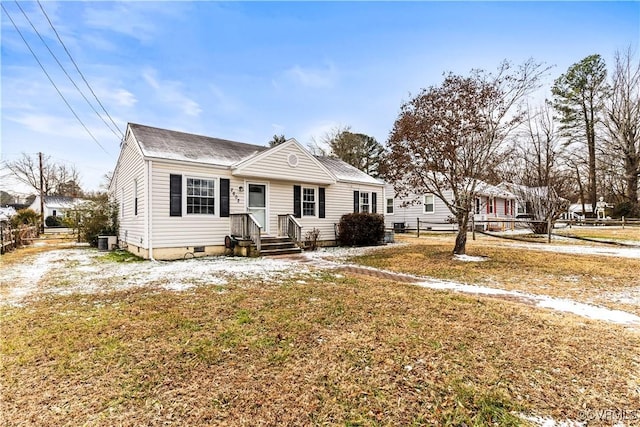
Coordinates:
<point>257,204</point>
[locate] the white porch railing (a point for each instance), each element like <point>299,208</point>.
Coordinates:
<point>245,226</point>
<point>289,226</point>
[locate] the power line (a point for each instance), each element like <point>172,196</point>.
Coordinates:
<point>65,71</point>
<point>50,79</point>
<point>78,68</point>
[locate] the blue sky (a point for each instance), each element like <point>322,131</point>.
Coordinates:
<point>248,70</point>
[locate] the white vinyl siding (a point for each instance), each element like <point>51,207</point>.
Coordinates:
<point>128,184</point>
<point>339,201</point>
<point>306,170</point>
<point>409,214</point>
<point>189,229</point>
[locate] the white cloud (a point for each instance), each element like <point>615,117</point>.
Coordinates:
<point>317,78</point>
<point>67,127</point>
<point>170,92</point>
<point>120,97</point>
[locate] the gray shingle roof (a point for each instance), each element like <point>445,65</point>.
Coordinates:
<point>174,145</point>
<point>170,144</point>
<point>345,172</point>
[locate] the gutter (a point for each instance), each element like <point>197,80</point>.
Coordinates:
<point>149,209</point>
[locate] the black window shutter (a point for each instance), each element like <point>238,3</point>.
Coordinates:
<point>297,202</point>
<point>175,195</point>
<point>224,198</point>
<point>321,208</point>
<point>374,202</point>
<point>356,201</point>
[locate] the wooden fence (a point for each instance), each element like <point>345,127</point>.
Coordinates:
<point>11,238</point>
<point>504,224</point>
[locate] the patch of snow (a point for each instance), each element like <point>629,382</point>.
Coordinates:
<point>80,271</point>
<point>628,296</point>
<point>544,301</point>
<point>583,250</point>
<point>469,258</point>
<point>550,422</point>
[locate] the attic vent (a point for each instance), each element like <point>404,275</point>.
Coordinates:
<point>292,160</point>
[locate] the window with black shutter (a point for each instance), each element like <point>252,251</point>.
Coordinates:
<point>356,201</point>
<point>374,202</point>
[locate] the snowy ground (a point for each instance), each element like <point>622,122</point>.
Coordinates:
<point>80,270</point>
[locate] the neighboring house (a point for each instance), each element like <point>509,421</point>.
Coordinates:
<point>491,205</point>
<point>57,206</point>
<point>181,194</point>
<point>6,213</point>
<point>575,212</point>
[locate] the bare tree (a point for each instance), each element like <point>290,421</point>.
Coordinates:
<point>447,137</point>
<point>541,181</point>
<point>623,123</point>
<point>57,179</point>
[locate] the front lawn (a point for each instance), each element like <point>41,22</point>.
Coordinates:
<point>321,349</point>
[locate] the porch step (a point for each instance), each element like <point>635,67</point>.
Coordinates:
<point>278,246</point>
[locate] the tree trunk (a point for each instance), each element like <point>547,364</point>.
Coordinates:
<point>631,170</point>
<point>461,239</point>
<point>593,195</point>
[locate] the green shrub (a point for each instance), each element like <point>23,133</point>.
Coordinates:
<point>361,229</point>
<point>625,209</point>
<point>25,217</point>
<point>52,221</point>
<point>97,217</point>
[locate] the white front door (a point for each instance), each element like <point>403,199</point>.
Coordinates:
<point>257,204</point>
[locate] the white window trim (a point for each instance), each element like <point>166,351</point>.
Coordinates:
<point>316,201</point>
<point>360,205</point>
<point>393,206</point>
<point>424,204</point>
<point>216,196</point>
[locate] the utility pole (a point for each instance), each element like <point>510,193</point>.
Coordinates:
<point>41,196</point>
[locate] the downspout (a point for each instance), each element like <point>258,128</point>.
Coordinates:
<point>149,209</point>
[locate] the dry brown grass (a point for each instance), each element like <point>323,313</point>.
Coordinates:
<point>590,279</point>
<point>338,351</point>
<point>609,233</point>
<point>42,244</point>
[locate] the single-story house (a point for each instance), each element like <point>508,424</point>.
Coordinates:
<point>575,212</point>
<point>181,194</point>
<point>58,206</point>
<point>491,205</point>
